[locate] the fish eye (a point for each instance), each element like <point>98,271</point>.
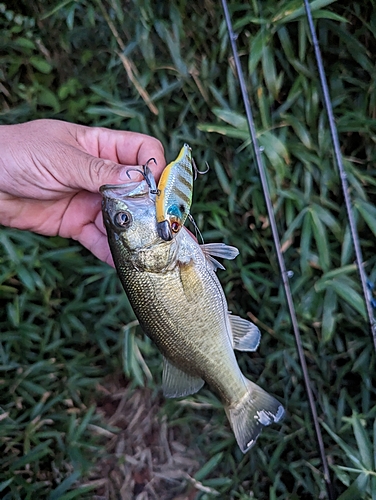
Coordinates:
<point>123,219</point>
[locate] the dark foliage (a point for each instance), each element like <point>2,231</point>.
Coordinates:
<point>165,68</point>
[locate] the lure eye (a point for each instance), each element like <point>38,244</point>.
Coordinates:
<point>175,226</point>
<point>123,219</point>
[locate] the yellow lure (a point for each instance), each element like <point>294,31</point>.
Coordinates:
<point>174,197</point>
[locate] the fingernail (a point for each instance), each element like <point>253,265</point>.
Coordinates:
<point>123,174</point>
<point>129,174</point>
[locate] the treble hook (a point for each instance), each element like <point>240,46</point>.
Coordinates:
<point>147,175</point>
<point>197,171</point>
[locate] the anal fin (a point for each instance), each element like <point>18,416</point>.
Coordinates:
<point>177,383</point>
<point>246,335</point>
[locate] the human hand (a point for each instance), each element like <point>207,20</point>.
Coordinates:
<point>50,173</point>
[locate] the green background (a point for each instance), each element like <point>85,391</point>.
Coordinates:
<point>81,415</point>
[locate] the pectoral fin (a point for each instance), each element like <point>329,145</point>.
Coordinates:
<point>221,250</point>
<point>191,282</point>
<point>177,383</point>
<point>214,264</point>
<point>246,335</point>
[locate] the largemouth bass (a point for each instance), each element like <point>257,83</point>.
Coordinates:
<point>179,302</point>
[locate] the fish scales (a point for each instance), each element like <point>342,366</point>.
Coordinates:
<point>179,302</point>
<point>148,297</point>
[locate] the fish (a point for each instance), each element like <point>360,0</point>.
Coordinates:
<point>179,302</point>
<point>174,197</point>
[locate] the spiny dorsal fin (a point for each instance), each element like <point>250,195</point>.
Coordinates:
<point>177,383</point>
<point>246,335</point>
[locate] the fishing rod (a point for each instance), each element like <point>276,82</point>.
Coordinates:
<point>277,244</point>
<point>342,173</point>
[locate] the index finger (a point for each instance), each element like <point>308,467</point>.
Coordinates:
<point>125,148</point>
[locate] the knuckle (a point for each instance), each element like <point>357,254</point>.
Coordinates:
<point>103,171</point>
<point>157,144</point>
<point>97,169</point>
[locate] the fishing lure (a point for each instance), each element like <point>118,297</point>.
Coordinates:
<point>174,194</point>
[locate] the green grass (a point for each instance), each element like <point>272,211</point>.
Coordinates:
<point>66,326</point>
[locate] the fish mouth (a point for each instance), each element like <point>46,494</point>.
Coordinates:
<point>127,190</point>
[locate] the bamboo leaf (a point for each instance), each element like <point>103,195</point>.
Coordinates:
<point>5,484</point>
<point>223,130</point>
<point>373,487</point>
<point>269,71</point>
<point>300,130</point>
<point>305,242</point>
<point>347,250</point>
<point>328,219</point>
<point>292,10</point>
<point>209,467</point>
<point>350,296</point>
<point>329,314</point>
<point>356,489</point>
<point>295,224</point>
<point>345,447</point>
<point>363,442</point>
<point>40,64</point>
<point>36,453</point>
<point>256,49</point>
<point>64,486</point>
<point>235,119</point>
<point>222,177</point>
<point>321,239</point>
<point>368,212</point>
<point>274,147</point>
<point>336,273</point>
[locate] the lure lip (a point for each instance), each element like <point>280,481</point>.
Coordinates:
<point>164,230</point>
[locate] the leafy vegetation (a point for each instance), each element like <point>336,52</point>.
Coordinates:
<point>67,331</point>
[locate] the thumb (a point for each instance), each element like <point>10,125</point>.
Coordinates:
<point>94,172</point>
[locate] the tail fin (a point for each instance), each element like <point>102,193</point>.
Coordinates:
<point>249,415</point>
